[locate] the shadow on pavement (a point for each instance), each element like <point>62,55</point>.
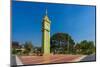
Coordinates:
<point>13,61</point>
<point>89,58</point>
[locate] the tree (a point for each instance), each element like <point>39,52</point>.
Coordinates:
<point>15,46</point>
<point>62,42</point>
<point>85,47</point>
<point>28,47</point>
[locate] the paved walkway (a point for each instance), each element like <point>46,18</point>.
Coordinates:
<point>25,60</point>
<point>48,59</point>
<point>13,60</point>
<point>89,58</point>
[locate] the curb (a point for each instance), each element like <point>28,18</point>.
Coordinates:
<point>80,58</point>
<point>18,61</point>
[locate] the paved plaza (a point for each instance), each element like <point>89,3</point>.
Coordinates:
<point>49,59</point>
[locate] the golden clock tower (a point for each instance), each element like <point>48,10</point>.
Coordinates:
<point>46,35</point>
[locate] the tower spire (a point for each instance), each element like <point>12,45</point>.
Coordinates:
<point>46,15</point>
<point>46,12</point>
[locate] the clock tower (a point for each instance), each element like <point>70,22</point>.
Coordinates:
<point>46,35</point>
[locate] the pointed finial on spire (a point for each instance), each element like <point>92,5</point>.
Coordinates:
<point>46,12</point>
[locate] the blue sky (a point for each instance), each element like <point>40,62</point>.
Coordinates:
<point>76,20</point>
